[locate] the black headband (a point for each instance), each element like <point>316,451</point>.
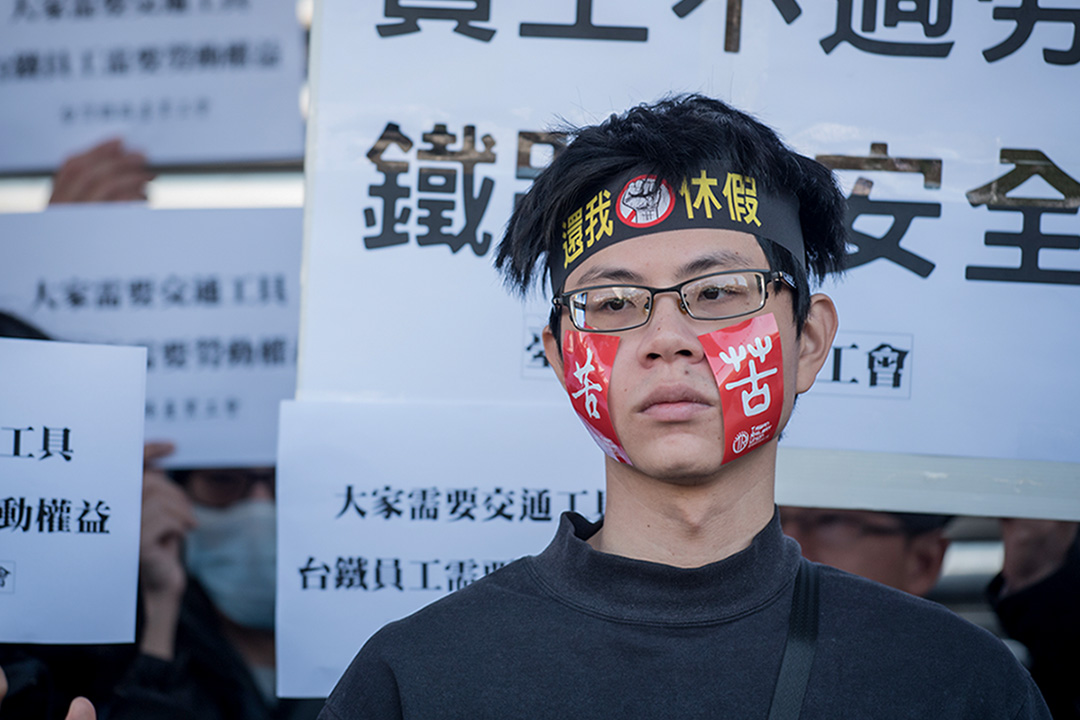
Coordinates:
<point>638,204</point>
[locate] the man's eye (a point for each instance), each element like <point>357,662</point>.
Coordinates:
<point>711,293</point>
<point>718,297</point>
<point>610,304</point>
<point>715,293</point>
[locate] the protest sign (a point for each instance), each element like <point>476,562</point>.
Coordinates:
<point>372,524</point>
<point>964,227</point>
<point>70,488</point>
<point>184,81</point>
<point>212,294</point>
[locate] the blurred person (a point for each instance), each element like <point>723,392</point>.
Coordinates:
<point>1036,596</point>
<point>207,580</point>
<point>80,708</point>
<point>902,550</point>
<point>107,172</point>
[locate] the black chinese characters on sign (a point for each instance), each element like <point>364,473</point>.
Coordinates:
<point>24,443</point>
<point>465,504</point>
<point>394,574</point>
<point>887,246</point>
<point>441,171</point>
<point>1030,240</point>
<point>54,515</point>
<point>876,27</point>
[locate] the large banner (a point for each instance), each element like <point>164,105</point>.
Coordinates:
<point>184,81</point>
<point>213,295</point>
<point>950,125</point>
<point>70,489</point>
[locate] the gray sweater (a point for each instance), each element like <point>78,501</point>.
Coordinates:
<point>576,633</point>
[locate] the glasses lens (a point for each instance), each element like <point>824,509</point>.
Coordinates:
<point>725,295</point>
<point>615,307</point>
<point>221,488</point>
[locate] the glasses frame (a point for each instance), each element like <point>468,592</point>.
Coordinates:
<point>766,277</point>
<point>224,487</point>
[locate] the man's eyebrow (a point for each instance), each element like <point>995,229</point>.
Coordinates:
<point>717,260</point>
<point>613,274</point>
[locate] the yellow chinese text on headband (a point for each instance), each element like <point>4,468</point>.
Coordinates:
<point>641,204</point>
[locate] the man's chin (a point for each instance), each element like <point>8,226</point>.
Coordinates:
<point>679,465</point>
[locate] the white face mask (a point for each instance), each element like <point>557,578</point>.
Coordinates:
<point>233,554</point>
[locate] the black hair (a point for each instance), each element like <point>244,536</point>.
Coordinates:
<point>670,139</point>
<point>919,523</point>
<point>13,327</point>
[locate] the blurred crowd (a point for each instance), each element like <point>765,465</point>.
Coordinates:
<point>204,644</point>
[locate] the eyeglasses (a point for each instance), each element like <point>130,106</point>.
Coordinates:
<point>225,486</point>
<point>716,296</point>
<point>836,529</point>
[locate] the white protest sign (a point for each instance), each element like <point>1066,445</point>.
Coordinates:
<point>965,268</point>
<point>212,294</point>
<point>71,438</point>
<point>385,507</point>
<point>185,81</point>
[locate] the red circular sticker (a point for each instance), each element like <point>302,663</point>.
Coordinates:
<point>641,204</point>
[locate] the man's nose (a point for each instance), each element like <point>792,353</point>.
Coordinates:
<point>669,332</point>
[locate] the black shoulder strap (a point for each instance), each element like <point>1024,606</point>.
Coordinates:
<point>801,642</point>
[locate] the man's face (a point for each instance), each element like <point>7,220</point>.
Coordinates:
<point>872,544</point>
<point>224,487</point>
<point>663,398</point>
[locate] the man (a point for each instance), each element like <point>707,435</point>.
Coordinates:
<point>901,550</point>
<point>677,239</point>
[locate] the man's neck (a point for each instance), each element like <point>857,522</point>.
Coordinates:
<point>687,525</point>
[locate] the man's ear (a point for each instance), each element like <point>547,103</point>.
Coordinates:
<point>554,356</point>
<point>815,342</point>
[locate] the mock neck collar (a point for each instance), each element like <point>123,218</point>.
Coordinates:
<point>640,591</point>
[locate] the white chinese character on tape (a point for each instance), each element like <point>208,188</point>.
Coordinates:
<point>758,350</point>
<point>588,385</point>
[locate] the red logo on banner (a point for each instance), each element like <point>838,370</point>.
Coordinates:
<point>748,365</point>
<point>587,361</point>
